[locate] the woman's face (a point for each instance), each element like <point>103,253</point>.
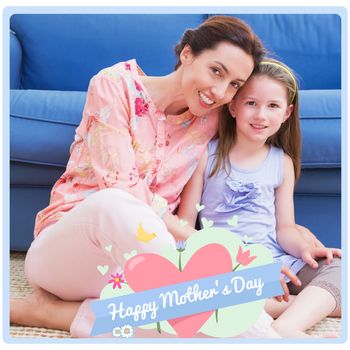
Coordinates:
<point>212,78</point>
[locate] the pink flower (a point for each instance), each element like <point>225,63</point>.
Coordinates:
<point>141,107</point>
<point>244,258</point>
<point>127,66</point>
<point>138,86</point>
<point>110,179</point>
<point>117,280</point>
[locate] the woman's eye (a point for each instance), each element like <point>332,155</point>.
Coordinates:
<point>235,85</point>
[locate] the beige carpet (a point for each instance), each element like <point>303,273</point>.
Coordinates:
<point>20,288</point>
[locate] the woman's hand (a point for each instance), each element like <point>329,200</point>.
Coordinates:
<point>293,278</point>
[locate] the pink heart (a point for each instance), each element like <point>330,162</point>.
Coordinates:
<point>148,271</point>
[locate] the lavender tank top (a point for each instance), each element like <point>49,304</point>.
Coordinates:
<point>249,194</point>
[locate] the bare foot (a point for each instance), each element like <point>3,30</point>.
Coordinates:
<point>33,310</point>
<point>43,309</point>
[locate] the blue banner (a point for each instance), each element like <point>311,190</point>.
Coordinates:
<point>187,298</point>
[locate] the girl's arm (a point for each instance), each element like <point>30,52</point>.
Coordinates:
<point>179,232</point>
<point>192,193</point>
<point>288,235</point>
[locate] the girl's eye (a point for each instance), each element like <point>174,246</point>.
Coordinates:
<point>235,85</point>
<point>251,103</point>
<point>274,105</point>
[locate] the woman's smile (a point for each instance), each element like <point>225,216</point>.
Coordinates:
<point>204,100</point>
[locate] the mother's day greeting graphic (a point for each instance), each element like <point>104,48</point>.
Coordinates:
<point>214,283</point>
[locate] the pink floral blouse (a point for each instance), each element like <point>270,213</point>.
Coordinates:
<point>124,142</point>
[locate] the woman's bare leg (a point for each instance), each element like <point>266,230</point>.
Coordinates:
<point>64,259</point>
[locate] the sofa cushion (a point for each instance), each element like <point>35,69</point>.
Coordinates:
<point>320,117</point>
<point>62,51</point>
<point>15,62</point>
<point>309,43</point>
<point>43,124</point>
<point>321,213</point>
<point>65,51</point>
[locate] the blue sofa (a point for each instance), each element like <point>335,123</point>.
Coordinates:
<point>53,57</point>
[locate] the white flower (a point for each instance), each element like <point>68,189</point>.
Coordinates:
<point>127,331</point>
<point>116,331</point>
<point>70,197</point>
<point>105,113</point>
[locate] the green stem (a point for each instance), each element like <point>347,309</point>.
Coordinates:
<point>180,264</point>
<point>217,310</point>
<point>236,267</point>
<point>158,328</point>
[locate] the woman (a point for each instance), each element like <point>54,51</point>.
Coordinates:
<point>137,145</point>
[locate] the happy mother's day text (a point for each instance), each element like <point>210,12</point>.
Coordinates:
<point>187,298</point>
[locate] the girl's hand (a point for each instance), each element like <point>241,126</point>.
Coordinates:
<point>293,278</point>
<point>309,236</point>
<point>310,253</point>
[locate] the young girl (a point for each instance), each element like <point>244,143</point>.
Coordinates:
<point>250,171</point>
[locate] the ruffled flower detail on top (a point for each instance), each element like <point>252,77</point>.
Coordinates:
<point>238,195</point>
<point>141,106</point>
<point>138,86</point>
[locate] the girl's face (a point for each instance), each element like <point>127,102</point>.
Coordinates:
<point>212,78</point>
<point>260,108</point>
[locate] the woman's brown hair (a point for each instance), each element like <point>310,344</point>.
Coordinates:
<point>219,29</point>
<point>288,137</point>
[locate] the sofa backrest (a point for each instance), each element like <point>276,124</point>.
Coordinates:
<point>63,51</point>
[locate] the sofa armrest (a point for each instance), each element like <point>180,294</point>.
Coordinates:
<point>15,61</point>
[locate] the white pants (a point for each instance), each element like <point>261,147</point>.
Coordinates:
<point>63,259</point>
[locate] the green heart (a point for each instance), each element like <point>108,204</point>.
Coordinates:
<point>233,221</point>
<point>128,256</point>
<point>103,269</point>
<point>207,223</point>
<point>183,222</point>
<point>246,239</point>
<point>199,207</point>
<point>108,248</point>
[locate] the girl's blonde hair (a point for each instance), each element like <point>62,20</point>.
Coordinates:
<point>288,137</point>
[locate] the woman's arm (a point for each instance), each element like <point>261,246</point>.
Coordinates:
<point>106,130</point>
<point>192,193</point>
